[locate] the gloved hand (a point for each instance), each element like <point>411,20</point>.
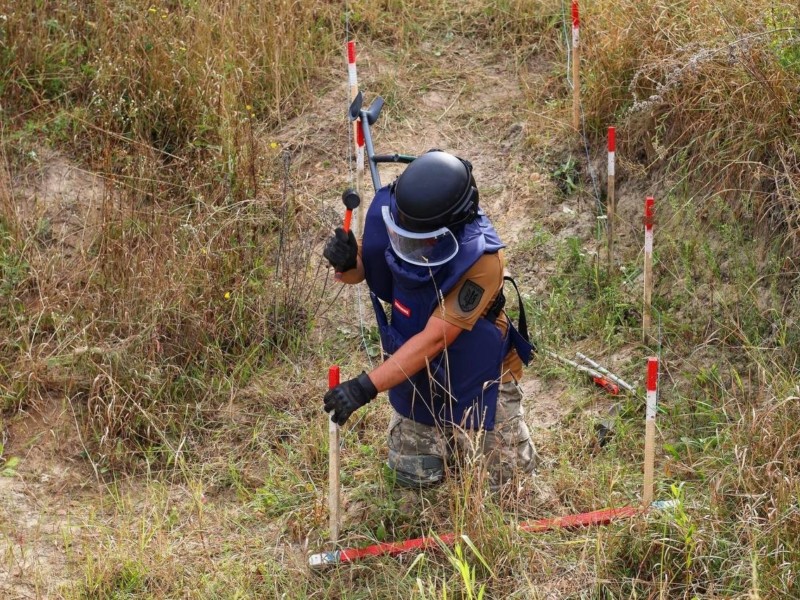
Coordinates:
<point>347,397</point>
<point>342,250</point>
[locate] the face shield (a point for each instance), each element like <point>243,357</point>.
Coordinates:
<point>427,249</point>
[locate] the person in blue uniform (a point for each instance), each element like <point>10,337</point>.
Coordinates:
<point>453,360</point>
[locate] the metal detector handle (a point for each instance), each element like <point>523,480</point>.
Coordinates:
<point>373,112</point>
<point>394,158</point>
<point>355,106</point>
<point>351,200</point>
<point>367,117</point>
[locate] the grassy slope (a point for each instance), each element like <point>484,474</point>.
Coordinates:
<point>235,509</point>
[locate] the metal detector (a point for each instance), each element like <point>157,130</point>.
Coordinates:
<point>367,117</point>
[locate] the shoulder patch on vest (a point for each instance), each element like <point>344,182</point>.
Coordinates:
<point>469,296</point>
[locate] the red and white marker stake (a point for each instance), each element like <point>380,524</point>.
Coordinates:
<point>358,134</point>
<point>649,216</point>
<point>611,202</point>
<point>352,76</point>
<point>333,465</point>
<point>576,78</point>
<point>650,430</point>
<point>352,73</point>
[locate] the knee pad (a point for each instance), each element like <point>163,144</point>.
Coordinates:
<point>416,470</point>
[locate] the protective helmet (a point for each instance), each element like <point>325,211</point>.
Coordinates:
<point>436,190</point>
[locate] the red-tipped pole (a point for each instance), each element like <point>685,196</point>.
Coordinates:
<point>650,430</point>
<point>352,80</point>
<point>649,217</point>
<point>351,201</point>
<point>333,465</point>
<point>351,62</point>
<point>576,58</point>
<point>611,202</point>
<point>358,134</point>
<point>333,377</point>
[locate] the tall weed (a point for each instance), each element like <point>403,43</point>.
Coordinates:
<point>195,279</point>
<point>710,91</point>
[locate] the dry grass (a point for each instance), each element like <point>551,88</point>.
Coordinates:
<point>191,278</point>
<point>708,89</point>
<point>180,331</point>
<point>150,325</point>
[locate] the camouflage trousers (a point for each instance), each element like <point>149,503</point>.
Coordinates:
<point>419,454</point>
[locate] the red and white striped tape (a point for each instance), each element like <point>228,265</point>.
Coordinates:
<point>649,215</point>
<point>352,75</point>
<point>576,24</point>
<point>351,64</point>
<point>612,150</point>
<point>652,387</point>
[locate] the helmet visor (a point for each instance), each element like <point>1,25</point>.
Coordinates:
<point>427,249</point>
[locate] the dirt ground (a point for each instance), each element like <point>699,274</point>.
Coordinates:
<point>469,101</point>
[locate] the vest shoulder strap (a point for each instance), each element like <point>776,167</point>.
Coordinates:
<point>522,326</point>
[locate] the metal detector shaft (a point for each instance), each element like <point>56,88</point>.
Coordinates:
<point>367,117</point>
<point>373,166</point>
<point>606,372</point>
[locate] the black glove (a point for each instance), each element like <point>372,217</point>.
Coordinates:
<point>342,250</point>
<point>347,397</point>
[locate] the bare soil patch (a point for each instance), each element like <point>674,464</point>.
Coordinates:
<point>41,504</point>
<point>61,201</point>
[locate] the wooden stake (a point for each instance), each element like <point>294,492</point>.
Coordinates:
<point>358,134</point>
<point>576,59</point>
<point>333,465</point>
<point>650,430</point>
<point>352,79</point>
<point>611,202</point>
<point>649,213</point>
